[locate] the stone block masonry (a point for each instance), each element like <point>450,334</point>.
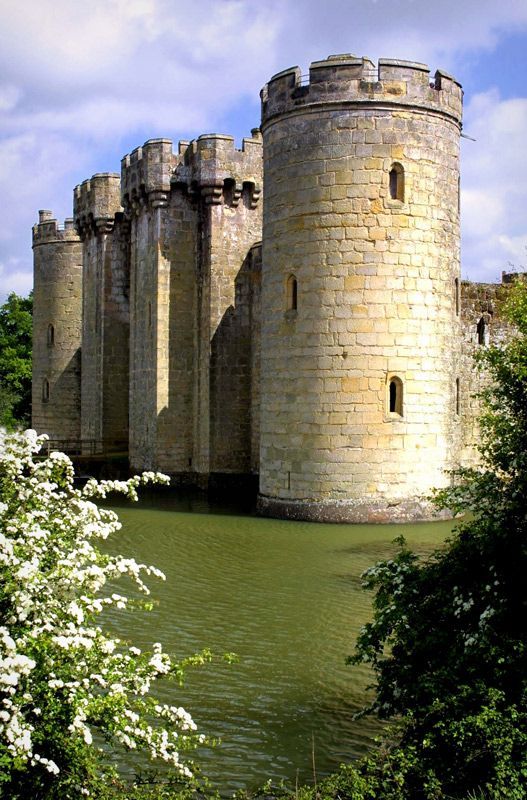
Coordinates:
<point>324,347</point>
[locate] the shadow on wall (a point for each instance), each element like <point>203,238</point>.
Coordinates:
<point>224,390</point>
<point>231,378</point>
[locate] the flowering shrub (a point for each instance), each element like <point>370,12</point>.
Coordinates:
<point>62,679</point>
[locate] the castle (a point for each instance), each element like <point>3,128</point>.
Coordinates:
<point>292,310</point>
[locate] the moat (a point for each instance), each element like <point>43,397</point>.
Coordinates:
<point>286,597</point>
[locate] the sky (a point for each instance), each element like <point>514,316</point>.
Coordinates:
<point>81,85</point>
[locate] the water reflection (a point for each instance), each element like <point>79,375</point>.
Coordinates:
<point>286,597</point>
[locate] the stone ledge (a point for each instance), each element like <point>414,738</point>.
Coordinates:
<point>351,511</point>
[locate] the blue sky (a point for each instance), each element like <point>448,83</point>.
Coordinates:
<point>81,85</point>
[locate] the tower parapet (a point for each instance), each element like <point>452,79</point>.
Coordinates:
<point>213,166</point>
<point>146,173</point>
<point>209,166</point>
<point>95,203</point>
<point>49,230</point>
<point>348,79</point>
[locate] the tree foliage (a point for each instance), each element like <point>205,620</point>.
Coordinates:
<point>15,361</point>
<point>448,641</point>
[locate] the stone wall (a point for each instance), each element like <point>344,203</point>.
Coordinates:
<point>162,247</point>
<point>226,185</point>
<point>116,335</point>
<point>144,405</point>
<point>482,324</point>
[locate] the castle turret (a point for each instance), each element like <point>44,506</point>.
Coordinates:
<point>97,207</point>
<point>57,325</point>
<point>194,218</point>
<point>360,288</point>
<point>227,184</point>
<point>161,302</point>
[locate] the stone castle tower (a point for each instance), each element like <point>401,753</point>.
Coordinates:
<point>361,216</point>
<point>57,328</point>
<point>326,351</point>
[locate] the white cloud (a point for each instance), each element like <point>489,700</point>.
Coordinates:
<point>14,278</point>
<point>494,191</point>
<point>77,81</point>
<point>9,97</point>
<point>440,33</point>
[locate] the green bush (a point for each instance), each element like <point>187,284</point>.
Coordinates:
<point>16,323</point>
<point>448,640</point>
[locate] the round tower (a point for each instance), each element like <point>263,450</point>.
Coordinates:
<point>360,289</point>
<point>57,328</point>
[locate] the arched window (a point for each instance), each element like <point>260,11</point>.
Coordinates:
<point>395,396</point>
<point>45,390</point>
<point>457,298</point>
<point>458,400</point>
<point>292,294</point>
<point>51,335</point>
<point>397,182</point>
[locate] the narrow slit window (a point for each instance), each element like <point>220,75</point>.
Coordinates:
<point>397,182</point>
<point>292,293</point>
<point>482,332</point>
<point>51,335</point>
<point>45,390</point>
<point>457,397</point>
<point>395,396</point>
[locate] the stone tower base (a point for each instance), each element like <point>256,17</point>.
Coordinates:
<point>351,511</point>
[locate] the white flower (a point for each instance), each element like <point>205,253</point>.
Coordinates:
<point>52,569</point>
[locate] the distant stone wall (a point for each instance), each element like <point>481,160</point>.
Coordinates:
<point>232,415</point>
<point>226,183</point>
<point>233,231</point>
<point>482,324</point>
<point>148,347</point>
<point>116,334</point>
<point>255,310</point>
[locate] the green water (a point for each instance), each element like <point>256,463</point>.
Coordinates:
<point>286,597</point>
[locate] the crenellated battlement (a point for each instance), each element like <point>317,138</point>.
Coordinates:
<point>146,173</point>
<point>212,166</point>
<point>95,203</point>
<point>346,79</point>
<point>48,229</point>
